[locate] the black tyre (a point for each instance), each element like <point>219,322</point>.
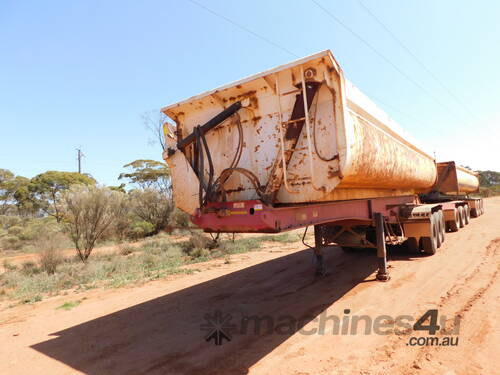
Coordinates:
<point>412,245</point>
<point>474,212</point>
<point>430,244</point>
<point>461,215</point>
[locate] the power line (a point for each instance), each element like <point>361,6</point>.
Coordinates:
<point>382,56</point>
<point>276,45</point>
<point>402,45</point>
<point>244,28</point>
<point>394,108</point>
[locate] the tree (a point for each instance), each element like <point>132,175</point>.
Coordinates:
<point>25,206</point>
<point>153,121</point>
<point>149,174</point>
<point>88,211</point>
<point>489,178</point>
<point>46,188</point>
<point>10,185</point>
<point>152,206</point>
<point>6,193</point>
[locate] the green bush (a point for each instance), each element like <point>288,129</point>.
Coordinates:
<point>22,234</point>
<point>140,229</point>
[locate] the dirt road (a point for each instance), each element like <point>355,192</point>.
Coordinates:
<point>157,328</point>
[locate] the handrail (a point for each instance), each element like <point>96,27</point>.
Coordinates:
<point>280,124</point>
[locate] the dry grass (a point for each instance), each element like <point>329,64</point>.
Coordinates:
<point>153,259</point>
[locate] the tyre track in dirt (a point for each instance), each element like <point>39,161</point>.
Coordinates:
<point>482,277</point>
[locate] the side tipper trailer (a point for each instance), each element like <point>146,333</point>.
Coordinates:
<point>300,146</point>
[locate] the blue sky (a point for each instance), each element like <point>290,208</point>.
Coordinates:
<point>81,73</point>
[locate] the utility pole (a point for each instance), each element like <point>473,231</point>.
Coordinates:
<point>79,155</point>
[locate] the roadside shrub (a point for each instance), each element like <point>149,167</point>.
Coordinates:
<point>152,206</point>
<point>141,228</point>
<point>24,234</point>
<point>7,221</point>
<point>179,218</point>
<point>199,253</point>
<point>49,260</point>
<point>284,238</point>
<point>29,268</point>
<point>88,212</point>
<point>196,242</point>
<point>11,242</point>
<point>9,266</point>
<point>50,254</point>
<point>241,245</point>
<point>126,250</point>
<point>15,230</point>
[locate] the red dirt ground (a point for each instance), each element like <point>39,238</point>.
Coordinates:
<point>155,328</point>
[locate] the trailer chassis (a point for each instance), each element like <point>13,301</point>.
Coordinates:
<point>351,224</point>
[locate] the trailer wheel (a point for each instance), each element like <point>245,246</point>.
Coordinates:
<point>454,224</point>
<point>474,212</point>
<point>435,218</point>
<point>412,245</point>
<point>461,215</point>
<point>466,214</point>
<point>430,244</point>
<point>441,226</point>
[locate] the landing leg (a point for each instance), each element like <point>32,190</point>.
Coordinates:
<point>318,251</point>
<point>382,274</point>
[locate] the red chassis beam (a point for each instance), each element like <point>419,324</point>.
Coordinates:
<point>254,216</point>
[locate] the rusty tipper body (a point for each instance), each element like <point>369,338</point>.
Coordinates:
<point>300,145</point>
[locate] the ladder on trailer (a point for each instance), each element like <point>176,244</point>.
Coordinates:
<point>286,154</point>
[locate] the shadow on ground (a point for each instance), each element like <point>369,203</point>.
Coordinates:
<point>163,335</point>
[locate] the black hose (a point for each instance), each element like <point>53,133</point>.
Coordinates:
<point>214,189</point>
